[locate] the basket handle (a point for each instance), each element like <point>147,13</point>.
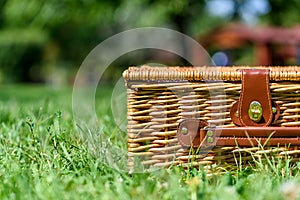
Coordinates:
<point>196,133</point>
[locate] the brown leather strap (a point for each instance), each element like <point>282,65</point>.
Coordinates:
<point>196,133</point>
<point>255,88</point>
<point>255,142</point>
<point>259,132</point>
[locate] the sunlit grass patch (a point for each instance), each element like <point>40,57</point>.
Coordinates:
<point>43,157</point>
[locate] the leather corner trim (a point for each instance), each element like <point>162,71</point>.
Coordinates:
<point>188,132</point>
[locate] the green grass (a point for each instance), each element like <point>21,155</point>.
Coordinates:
<point>42,157</point>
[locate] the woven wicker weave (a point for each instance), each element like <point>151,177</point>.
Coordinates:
<point>160,97</point>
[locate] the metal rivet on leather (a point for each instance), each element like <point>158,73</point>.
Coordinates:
<point>184,130</point>
<point>210,139</point>
<point>274,110</point>
<point>209,133</point>
<point>255,111</point>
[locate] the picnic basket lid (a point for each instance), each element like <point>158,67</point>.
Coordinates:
<point>206,73</point>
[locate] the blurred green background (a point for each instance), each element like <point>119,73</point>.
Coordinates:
<point>46,41</point>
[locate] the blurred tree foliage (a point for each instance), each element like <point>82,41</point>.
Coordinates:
<point>38,36</point>
<point>41,40</point>
<point>283,13</point>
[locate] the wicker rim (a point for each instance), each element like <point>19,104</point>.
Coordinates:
<point>205,73</point>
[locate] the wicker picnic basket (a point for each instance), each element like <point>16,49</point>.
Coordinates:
<point>202,116</point>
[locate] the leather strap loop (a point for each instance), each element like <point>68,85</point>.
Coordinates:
<point>277,114</point>
<point>234,113</point>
